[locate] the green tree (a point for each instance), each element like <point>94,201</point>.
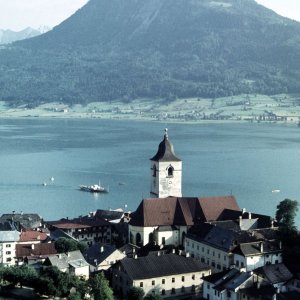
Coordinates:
<point>100,287</point>
<point>63,245</point>
<point>135,293</point>
<point>286,213</point>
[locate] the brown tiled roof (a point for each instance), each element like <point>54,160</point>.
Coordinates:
<point>212,207</point>
<point>180,211</point>
<point>32,235</point>
<point>42,249</point>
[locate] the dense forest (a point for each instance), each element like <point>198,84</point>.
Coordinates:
<point>127,49</point>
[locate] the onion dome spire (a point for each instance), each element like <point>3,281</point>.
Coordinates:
<point>165,150</point>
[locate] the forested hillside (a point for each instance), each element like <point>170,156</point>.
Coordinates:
<point>126,49</point>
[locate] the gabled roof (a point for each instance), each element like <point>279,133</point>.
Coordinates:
<point>258,248</point>
<point>181,211</point>
<point>43,249</point>
<point>165,151</point>
<point>25,220</point>
<point>219,237</point>
<point>109,215</point>
<point>32,235</point>
<point>228,280</point>
<point>63,260</point>
<point>274,273</point>
<point>84,222</point>
<point>98,252</point>
<point>153,266</point>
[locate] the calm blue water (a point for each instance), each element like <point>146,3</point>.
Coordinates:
<point>247,160</point>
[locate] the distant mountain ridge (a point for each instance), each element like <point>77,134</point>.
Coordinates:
<point>9,36</point>
<point>126,49</point>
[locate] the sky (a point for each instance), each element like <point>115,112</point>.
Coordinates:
<point>19,14</point>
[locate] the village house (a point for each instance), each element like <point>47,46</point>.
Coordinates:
<point>9,236</point>
<point>225,285</point>
<point>223,248</point>
<point>88,229</point>
<point>34,254</point>
<point>170,275</point>
<point>102,256</point>
<point>71,262</point>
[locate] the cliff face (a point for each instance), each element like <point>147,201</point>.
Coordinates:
<point>156,48</point>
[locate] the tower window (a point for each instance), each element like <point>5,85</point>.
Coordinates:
<point>170,171</point>
<point>154,171</point>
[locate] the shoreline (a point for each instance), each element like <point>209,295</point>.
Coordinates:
<point>279,109</point>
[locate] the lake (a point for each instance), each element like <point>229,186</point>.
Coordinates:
<point>246,160</point>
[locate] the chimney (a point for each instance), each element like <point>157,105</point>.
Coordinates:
<point>280,244</point>
<point>135,256</point>
<point>101,249</point>
<point>249,213</point>
<point>173,250</point>
<point>187,254</point>
<point>243,210</point>
<point>261,244</point>
<point>272,223</point>
<point>32,246</point>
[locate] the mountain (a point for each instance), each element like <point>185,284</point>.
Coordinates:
<point>9,36</point>
<point>125,49</point>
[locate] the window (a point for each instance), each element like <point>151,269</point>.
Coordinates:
<point>213,253</point>
<point>8,252</point>
<point>182,289</point>
<point>163,240</point>
<point>173,291</point>
<point>193,288</point>
<point>163,292</point>
<point>153,282</point>
<point>170,171</point>
<point>213,264</point>
<point>193,277</point>
<point>182,278</point>
<point>141,284</point>
<point>207,251</point>
<point>163,281</point>
<point>8,259</point>
<point>8,245</point>
<point>202,249</point>
<point>228,294</point>
<point>208,286</point>
<point>173,279</point>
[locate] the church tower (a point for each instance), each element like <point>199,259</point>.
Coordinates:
<point>166,171</point>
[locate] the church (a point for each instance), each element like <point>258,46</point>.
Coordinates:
<point>165,217</point>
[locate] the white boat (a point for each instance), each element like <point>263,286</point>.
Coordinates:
<point>275,191</point>
<point>95,188</point>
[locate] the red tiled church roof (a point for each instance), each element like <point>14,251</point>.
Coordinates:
<point>181,211</point>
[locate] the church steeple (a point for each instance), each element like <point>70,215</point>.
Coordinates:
<point>166,170</point>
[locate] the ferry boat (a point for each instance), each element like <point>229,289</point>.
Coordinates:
<point>95,188</point>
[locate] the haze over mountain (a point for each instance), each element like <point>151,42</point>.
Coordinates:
<point>125,49</point>
<point>8,36</point>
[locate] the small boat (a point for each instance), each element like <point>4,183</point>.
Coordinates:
<point>275,191</point>
<point>95,188</point>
